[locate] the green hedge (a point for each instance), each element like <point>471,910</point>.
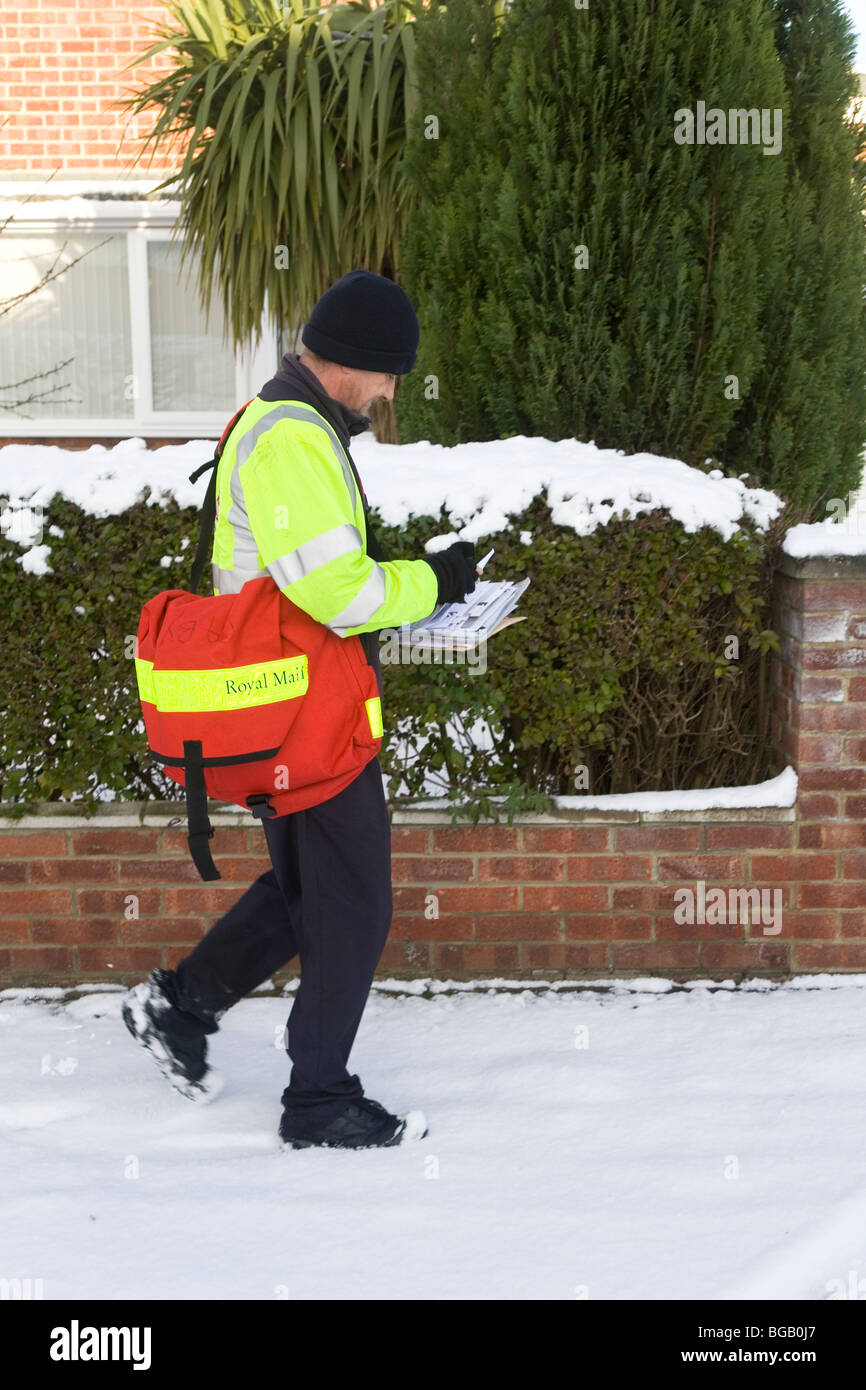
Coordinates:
<point>621,668</point>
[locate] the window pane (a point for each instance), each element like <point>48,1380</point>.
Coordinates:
<point>191,366</point>
<point>82,314</point>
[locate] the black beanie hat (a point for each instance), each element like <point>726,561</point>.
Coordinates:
<point>366,321</point>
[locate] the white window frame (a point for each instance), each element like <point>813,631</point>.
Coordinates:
<point>142,221</point>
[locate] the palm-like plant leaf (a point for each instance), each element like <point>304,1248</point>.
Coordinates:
<point>291,120</point>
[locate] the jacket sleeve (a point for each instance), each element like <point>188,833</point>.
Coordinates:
<point>302,518</point>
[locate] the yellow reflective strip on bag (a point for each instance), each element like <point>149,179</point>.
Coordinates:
<point>144,676</point>
<point>374,714</point>
<point>238,687</point>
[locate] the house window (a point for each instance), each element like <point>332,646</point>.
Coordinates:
<point>117,343</point>
<point>66,351</point>
<point>191,368</point>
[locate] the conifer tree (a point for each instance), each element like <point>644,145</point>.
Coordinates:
<point>454,150</point>
<point>579,272</point>
<point>802,423</point>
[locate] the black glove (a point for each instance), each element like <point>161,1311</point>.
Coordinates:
<point>454,569</point>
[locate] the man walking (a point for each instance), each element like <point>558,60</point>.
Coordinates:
<point>290,502</point>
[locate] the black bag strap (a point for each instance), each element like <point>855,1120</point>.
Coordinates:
<point>208,507</point>
<point>198,821</point>
<point>206,525</point>
<point>200,830</point>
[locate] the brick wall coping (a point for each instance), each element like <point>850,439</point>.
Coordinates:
<point>822,566</point>
<point>131,814</point>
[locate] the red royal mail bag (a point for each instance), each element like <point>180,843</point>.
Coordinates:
<point>249,700</point>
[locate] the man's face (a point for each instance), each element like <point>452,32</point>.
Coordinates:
<point>361,388</point>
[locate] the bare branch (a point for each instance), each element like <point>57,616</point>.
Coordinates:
<point>39,396</point>
<point>6,305</point>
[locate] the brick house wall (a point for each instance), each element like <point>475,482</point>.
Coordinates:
<point>62,71</point>
<point>583,894</point>
<point>62,134</point>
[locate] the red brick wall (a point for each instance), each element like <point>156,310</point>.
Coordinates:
<point>62,69</point>
<point>586,899</point>
<point>590,895</point>
<point>819,724</point>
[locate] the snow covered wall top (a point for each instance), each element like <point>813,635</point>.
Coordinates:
<point>847,537</point>
<point>480,484</point>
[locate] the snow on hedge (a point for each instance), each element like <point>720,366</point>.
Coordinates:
<point>480,484</point>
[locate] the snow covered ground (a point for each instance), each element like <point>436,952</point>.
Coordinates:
<point>631,1141</point>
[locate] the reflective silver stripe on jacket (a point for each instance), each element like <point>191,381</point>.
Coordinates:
<point>290,410</point>
<point>314,553</point>
<point>230,581</point>
<point>246,553</point>
<point>363,605</point>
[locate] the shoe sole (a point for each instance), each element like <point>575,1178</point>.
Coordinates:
<point>139,1024</point>
<point>412,1128</point>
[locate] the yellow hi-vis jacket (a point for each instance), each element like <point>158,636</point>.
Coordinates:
<point>287,504</point>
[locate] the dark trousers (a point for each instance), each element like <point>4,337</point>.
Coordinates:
<point>327,899</point>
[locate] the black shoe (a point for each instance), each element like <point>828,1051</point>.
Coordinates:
<point>364,1124</point>
<point>174,1042</point>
